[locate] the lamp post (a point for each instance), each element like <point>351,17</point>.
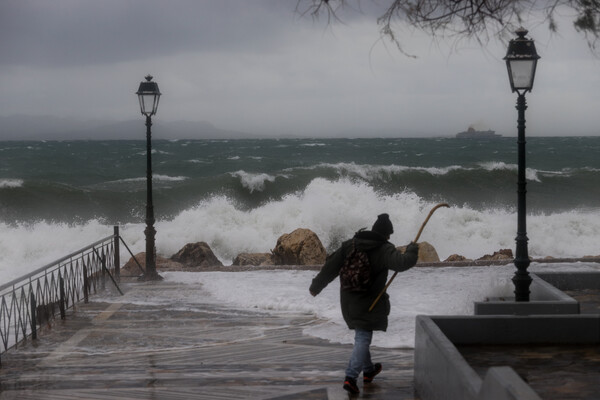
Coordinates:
<point>148,95</point>
<point>521,61</point>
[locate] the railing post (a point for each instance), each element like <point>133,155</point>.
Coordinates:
<point>117,254</point>
<point>103,270</point>
<point>41,286</point>
<point>85,285</point>
<point>61,302</point>
<point>33,317</point>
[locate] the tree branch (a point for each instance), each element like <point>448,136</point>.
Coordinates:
<point>468,19</point>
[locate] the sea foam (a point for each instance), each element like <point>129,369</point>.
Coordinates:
<point>10,183</point>
<point>253,182</point>
<point>334,210</point>
<point>427,291</point>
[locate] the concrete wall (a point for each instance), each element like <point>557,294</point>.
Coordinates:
<point>506,329</point>
<point>544,299</point>
<point>551,317</point>
<point>503,383</point>
<point>572,280</point>
<point>441,372</point>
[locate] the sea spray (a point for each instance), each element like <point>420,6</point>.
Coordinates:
<point>428,291</point>
<point>253,182</point>
<point>240,196</point>
<point>28,246</point>
<point>10,183</point>
<point>333,210</point>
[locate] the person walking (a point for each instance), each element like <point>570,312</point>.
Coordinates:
<point>355,301</point>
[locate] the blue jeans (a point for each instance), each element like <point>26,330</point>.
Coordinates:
<point>361,356</point>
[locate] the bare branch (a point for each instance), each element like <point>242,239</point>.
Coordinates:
<point>478,20</point>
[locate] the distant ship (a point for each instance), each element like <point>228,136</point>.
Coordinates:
<point>471,133</point>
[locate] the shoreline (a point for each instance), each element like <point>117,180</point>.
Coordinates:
<point>441,264</point>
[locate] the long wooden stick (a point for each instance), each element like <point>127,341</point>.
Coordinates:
<point>414,241</point>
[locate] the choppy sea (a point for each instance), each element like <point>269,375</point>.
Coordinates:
<point>241,195</point>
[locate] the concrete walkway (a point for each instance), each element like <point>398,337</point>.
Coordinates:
<point>132,351</point>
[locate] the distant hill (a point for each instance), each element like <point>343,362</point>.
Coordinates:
<point>136,129</point>
<point>22,127</point>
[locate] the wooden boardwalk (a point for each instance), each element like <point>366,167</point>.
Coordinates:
<point>136,351</point>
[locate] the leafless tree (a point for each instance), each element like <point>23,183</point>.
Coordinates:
<point>479,20</point>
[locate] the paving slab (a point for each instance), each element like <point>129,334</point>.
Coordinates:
<point>107,350</point>
<point>589,300</point>
<point>561,372</point>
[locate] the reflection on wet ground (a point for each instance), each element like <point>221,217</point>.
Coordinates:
<point>188,351</point>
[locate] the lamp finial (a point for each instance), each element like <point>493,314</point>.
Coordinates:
<point>521,32</point>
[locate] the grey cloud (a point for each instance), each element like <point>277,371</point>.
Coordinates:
<point>72,32</point>
<point>257,66</point>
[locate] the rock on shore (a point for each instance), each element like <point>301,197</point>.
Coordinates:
<point>193,256</point>
<point>503,254</point>
<point>301,247</point>
<point>427,253</point>
<point>197,255</point>
<point>256,259</point>
<point>131,268</point>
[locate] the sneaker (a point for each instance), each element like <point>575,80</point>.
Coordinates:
<point>368,376</point>
<point>350,385</point>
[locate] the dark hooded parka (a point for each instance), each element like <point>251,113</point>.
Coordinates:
<point>383,257</point>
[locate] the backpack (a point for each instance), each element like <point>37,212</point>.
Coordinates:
<point>355,273</point>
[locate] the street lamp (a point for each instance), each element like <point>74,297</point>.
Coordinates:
<point>521,61</point>
<point>148,95</point>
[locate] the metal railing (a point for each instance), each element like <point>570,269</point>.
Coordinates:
<point>29,302</point>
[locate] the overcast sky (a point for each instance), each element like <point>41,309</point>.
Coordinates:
<point>258,66</point>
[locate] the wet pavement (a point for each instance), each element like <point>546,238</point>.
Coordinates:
<point>131,349</point>
<point>125,350</point>
<point>561,372</point>
<point>589,300</point>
